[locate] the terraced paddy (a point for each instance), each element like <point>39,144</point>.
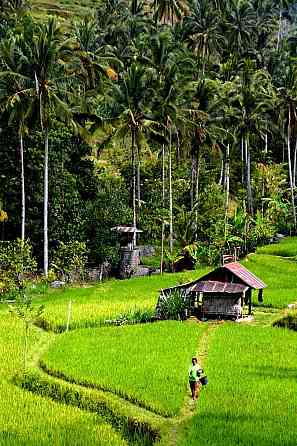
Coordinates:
<point>128,384</point>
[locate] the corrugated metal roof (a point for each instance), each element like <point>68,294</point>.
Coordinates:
<point>212,286</point>
<point>246,276</point>
<point>126,229</point>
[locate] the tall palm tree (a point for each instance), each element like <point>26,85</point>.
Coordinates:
<point>202,28</point>
<point>288,102</point>
<point>252,99</point>
<point>43,52</point>
<point>240,25</point>
<point>15,101</point>
<point>129,103</point>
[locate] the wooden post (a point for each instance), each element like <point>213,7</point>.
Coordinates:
<point>69,315</point>
<point>250,301</point>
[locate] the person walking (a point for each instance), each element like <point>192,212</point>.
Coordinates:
<point>195,372</point>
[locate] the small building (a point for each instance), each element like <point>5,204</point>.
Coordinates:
<point>130,255</point>
<point>222,293</point>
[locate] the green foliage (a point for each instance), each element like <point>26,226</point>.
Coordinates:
<point>17,265</point>
<point>157,355</point>
<point>69,260</point>
<point>287,247</point>
<point>173,306</point>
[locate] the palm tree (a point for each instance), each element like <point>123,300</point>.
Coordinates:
<point>15,102</point>
<point>240,25</point>
<point>42,53</point>
<point>252,99</point>
<point>129,110</point>
<point>168,10</point>
<point>288,102</point>
<point>202,29</point>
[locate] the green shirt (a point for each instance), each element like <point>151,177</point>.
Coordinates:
<point>194,372</point>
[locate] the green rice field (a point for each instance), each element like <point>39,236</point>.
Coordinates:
<point>127,385</point>
<point>252,395</point>
<point>146,364</point>
<point>27,419</point>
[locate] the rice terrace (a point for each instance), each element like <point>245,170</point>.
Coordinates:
<point>126,384</point>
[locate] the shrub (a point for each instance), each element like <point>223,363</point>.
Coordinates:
<point>173,306</point>
<point>70,260</point>
<point>16,266</point>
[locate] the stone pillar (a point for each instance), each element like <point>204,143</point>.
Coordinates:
<point>130,260</point>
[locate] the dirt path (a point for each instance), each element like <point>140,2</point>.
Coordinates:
<point>189,407</point>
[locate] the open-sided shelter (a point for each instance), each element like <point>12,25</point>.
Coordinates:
<point>223,292</point>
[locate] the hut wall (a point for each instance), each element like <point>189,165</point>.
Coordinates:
<point>222,305</point>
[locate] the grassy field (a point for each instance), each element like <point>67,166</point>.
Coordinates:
<point>109,300</point>
<point>146,364</point>
<point>286,248</point>
<point>27,419</point>
<point>252,395</point>
<point>251,398</point>
<point>93,305</point>
<point>279,274</point>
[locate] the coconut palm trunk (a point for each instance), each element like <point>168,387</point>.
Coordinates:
<point>134,186</point>
<point>45,205</point>
<point>163,207</point>
<point>197,192</point>
<point>227,186</point>
<point>23,187</point>
<point>248,184</point>
<point>295,164</point>
<point>170,192</point>
<point>290,166</point>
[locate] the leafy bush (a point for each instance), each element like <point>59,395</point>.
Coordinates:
<point>16,266</point>
<point>173,306</point>
<point>70,260</point>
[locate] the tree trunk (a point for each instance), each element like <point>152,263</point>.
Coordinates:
<point>192,181</point>
<point>138,184</point>
<point>295,164</point>
<point>163,207</point>
<point>248,178</point>
<point>227,186</point>
<point>242,160</point>
<point>279,29</point>
<point>197,192</point>
<point>45,207</point>
<point>290,167</point>
<point>23,187</point>
<point>170,195</point>
<point>134,187</point>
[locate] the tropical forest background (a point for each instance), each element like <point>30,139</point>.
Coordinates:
<point>178,117</point>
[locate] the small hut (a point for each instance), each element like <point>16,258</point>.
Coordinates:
<point>223,293</point>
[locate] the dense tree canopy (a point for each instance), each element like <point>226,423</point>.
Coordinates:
<point>176,116</point>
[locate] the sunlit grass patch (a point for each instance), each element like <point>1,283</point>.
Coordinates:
<point>251,398</point>
<point>108,300</point>
<point>279,274</point>
<point>146,364</point>
<point>27,419</point>
<point>285,248</point>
